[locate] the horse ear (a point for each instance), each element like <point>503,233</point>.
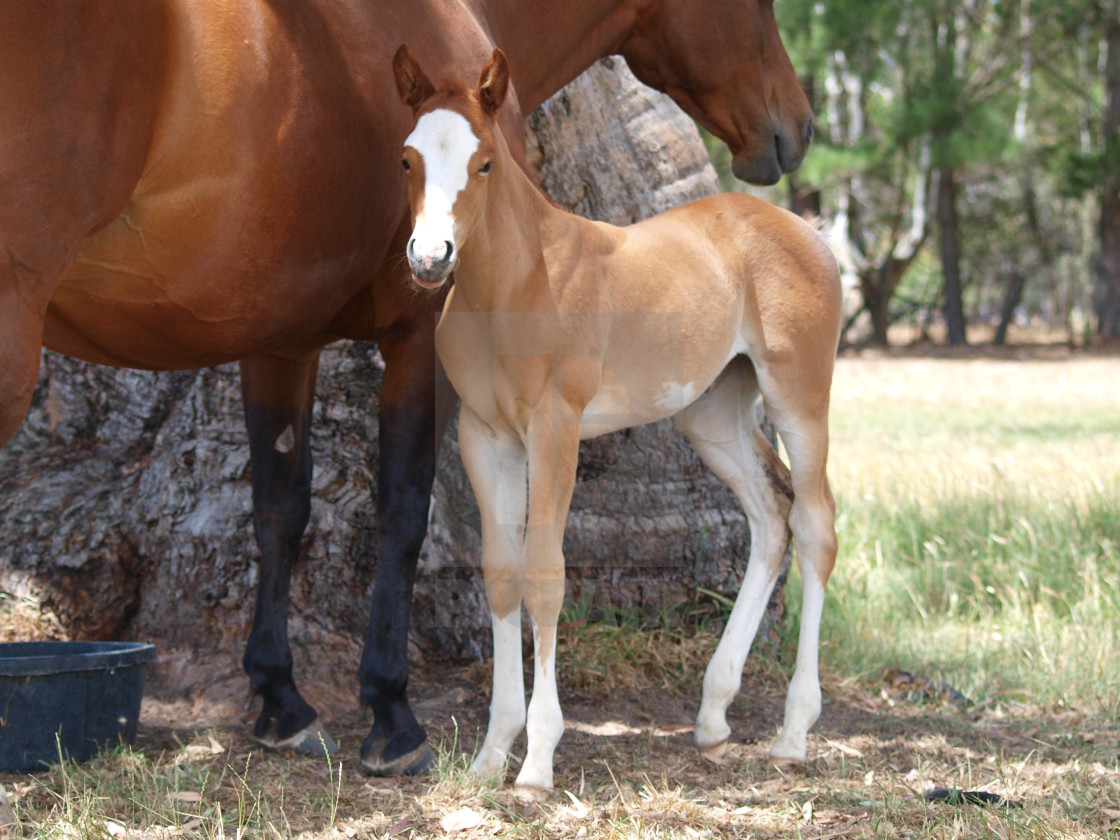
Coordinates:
<point>493,83</point>
<point>413,86</point>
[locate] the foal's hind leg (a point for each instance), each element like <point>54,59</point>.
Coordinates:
<point>797,404</point>
<point>722,427</point>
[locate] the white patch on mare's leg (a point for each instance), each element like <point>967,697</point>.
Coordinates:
<point>286,441</point>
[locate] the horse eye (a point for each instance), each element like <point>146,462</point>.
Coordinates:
<point>485,167</point>
<point>405,164</point>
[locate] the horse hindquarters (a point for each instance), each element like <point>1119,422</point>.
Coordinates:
<point>722,426</point>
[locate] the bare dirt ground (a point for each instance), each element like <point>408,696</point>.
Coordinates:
<point>876,753</point>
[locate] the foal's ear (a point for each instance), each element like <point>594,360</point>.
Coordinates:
<point>413,86</point>
<point>494,83</point>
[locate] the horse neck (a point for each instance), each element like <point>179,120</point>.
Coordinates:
<point>550,43</point>
<point>501,265</point>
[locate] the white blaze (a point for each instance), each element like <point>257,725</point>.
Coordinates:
<point>445,141</point>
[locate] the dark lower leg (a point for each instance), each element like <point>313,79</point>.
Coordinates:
<point>410,427</point>
<point>278,395</point>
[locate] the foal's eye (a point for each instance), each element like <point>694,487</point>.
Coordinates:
<point>485,168</point>
<point>406,165</point>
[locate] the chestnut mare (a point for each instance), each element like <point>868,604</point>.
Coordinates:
<point>559,329</point>
<point>186,183</point>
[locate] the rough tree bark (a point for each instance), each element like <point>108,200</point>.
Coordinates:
<point>126,496</point>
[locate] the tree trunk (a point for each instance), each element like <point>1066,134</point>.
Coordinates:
<point>1108,264</point>
<point>125,489</point>
<point>1013,294</point>
<point>876,298</point>
<point>950,254</point>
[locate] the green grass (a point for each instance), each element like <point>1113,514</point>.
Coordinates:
<point>979,521</point>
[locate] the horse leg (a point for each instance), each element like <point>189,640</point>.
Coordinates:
<point>20,341</point>
<point>416,405</point>
<point>553,457</point>
<point>496,468</point>
<point>722,427</point>
<point>800,415</point>
<point>278,394</point>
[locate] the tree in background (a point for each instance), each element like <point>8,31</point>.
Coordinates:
<point>1108,266</point>
<point>967,161</point>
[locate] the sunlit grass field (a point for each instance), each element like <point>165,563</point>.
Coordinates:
<point>979,524</point>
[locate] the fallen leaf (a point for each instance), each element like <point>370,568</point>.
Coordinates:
<point>461,820</point>
<point>844,748</point>
<point>184,796</point>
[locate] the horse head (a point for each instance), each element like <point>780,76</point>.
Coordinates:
<point>724,63</point>
<point>448,158</point>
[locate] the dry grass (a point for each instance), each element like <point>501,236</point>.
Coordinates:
<point>917,430</point>
<point>923,428</point>
<point>23,616</point>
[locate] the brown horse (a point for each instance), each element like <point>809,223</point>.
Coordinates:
<point>185,183</point>
<point>559,329</point>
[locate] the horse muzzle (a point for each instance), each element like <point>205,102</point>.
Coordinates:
<point>783,154</point>
<point>431,266</point>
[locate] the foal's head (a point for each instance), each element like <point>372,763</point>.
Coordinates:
<point>448,158</point>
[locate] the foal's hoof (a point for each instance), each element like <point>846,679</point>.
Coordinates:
<point>532,793</point>
<point>412,763</point>
<point>312,740</point>
<point>786,756</point>
<point>715,752</point>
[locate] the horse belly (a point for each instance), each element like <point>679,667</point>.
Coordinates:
<point>618,404</point>
<point>657,364</point>
<point>161,288</point>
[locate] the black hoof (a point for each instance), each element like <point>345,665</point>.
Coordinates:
<point>311,740</point>
<point>415,762</point>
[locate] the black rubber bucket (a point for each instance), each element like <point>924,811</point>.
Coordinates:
<point>86,693</point>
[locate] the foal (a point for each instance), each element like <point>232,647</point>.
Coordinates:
<point>558,328</point>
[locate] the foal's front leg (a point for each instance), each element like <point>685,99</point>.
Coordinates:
<point>495,464</point>
<point>553,456</point>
